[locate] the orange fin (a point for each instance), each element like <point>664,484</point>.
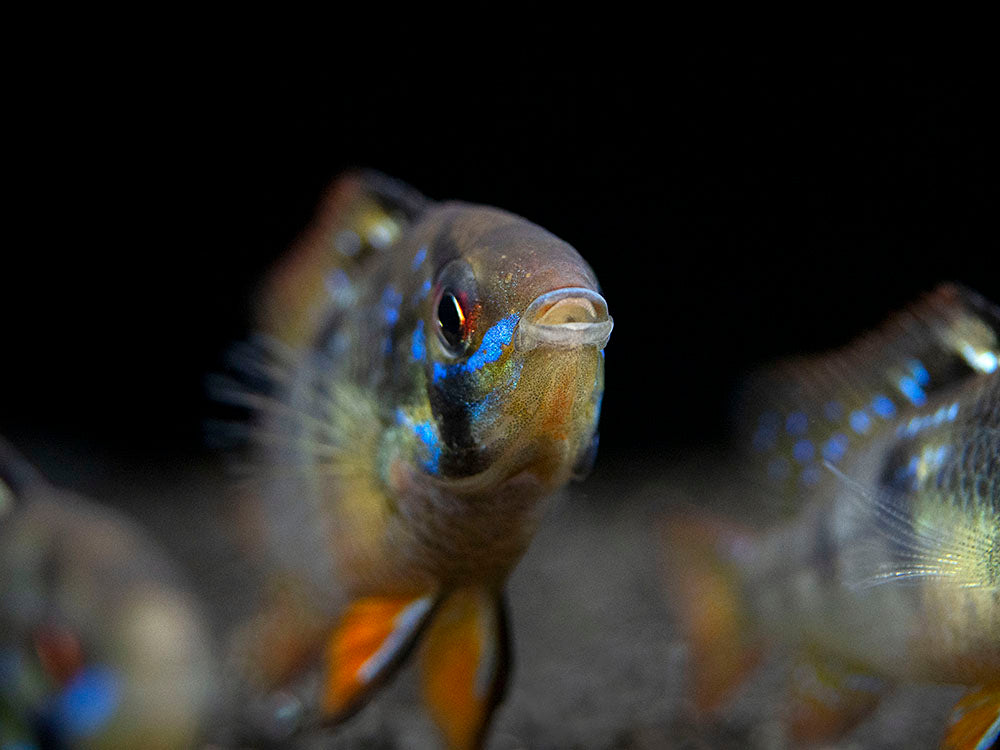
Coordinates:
<point>975,722</point>
<point>373,636</point>
<point>705,594</point>
<point>827,698</point>
<point>464,663</point>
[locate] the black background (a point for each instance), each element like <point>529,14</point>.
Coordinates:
<point>739,200</point>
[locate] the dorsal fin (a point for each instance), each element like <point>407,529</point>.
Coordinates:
<point>807,410</point>
<point>361,213</point>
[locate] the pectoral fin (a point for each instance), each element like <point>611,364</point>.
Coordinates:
<point>975,722</point>
<point>372,637</point>
<point>464,663</point>
<point>828,697</point>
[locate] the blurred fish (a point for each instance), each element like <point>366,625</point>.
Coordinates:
<point>99,646</point>
<point>886,566</point>
<point>427,373</point>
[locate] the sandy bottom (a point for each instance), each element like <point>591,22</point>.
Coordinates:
<point>598,662</point>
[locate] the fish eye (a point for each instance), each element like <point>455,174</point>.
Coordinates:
<point>452,320</point>
<point>456,306</point>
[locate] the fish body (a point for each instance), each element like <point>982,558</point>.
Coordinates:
<point>100,644</point>
<point>432,372</point>
<point>882,568</point>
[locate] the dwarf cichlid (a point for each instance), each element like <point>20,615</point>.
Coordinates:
<point>882,564</point>
<point>426,374</point>
<point>100,644</point>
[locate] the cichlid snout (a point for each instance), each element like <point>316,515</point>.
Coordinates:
<point>565,319</point>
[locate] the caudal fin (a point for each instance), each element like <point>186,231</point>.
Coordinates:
<point>705,593</point>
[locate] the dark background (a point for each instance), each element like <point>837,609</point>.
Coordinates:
<point>738,199</point>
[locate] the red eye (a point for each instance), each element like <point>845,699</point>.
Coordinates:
<point>452,320</point>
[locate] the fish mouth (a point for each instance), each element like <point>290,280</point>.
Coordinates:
<point>566,318</point>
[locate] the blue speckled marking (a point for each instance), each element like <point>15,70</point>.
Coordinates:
<point>427,433</point>
<point>797,423</point>
<point>487,407</point>
<point>810,475</point>
<point>803,451</point>
<point>418,259</point>
<point>883,406</point>
<point>391,299</point>
<point>860,421</point>
<point>87,702</point>
<point>835,448</point>
<point>919,372</point>
<point>912,390</point>
<point>499,335</point>
<point>424,290</point>
<point>418,347</point>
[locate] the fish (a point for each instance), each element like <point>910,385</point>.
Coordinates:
<point>101,643</point>
<point>873,557</point>
<point>422,377</point>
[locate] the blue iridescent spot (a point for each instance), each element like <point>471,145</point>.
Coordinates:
<point>833,410</point>
<point>428,436</point>
<point>391,300</point>
<point>424,290</point>
<point>499,335</point>
<point>797,423</point>
<point>804,450</point>
<point>860,421</point>
<point>919,372</point>
<point>810,475</point>
<point>909,388</point>
<point>87,702</point>
<point>953,412</point>
<point>418,259</point>
<point>835,448</point>
<point>494,340</point>
<point>883,406</point>
<point>418,347</point>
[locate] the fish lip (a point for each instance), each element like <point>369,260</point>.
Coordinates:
<point>534,331</point>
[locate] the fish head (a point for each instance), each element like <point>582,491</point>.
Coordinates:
<point>515,329</point>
